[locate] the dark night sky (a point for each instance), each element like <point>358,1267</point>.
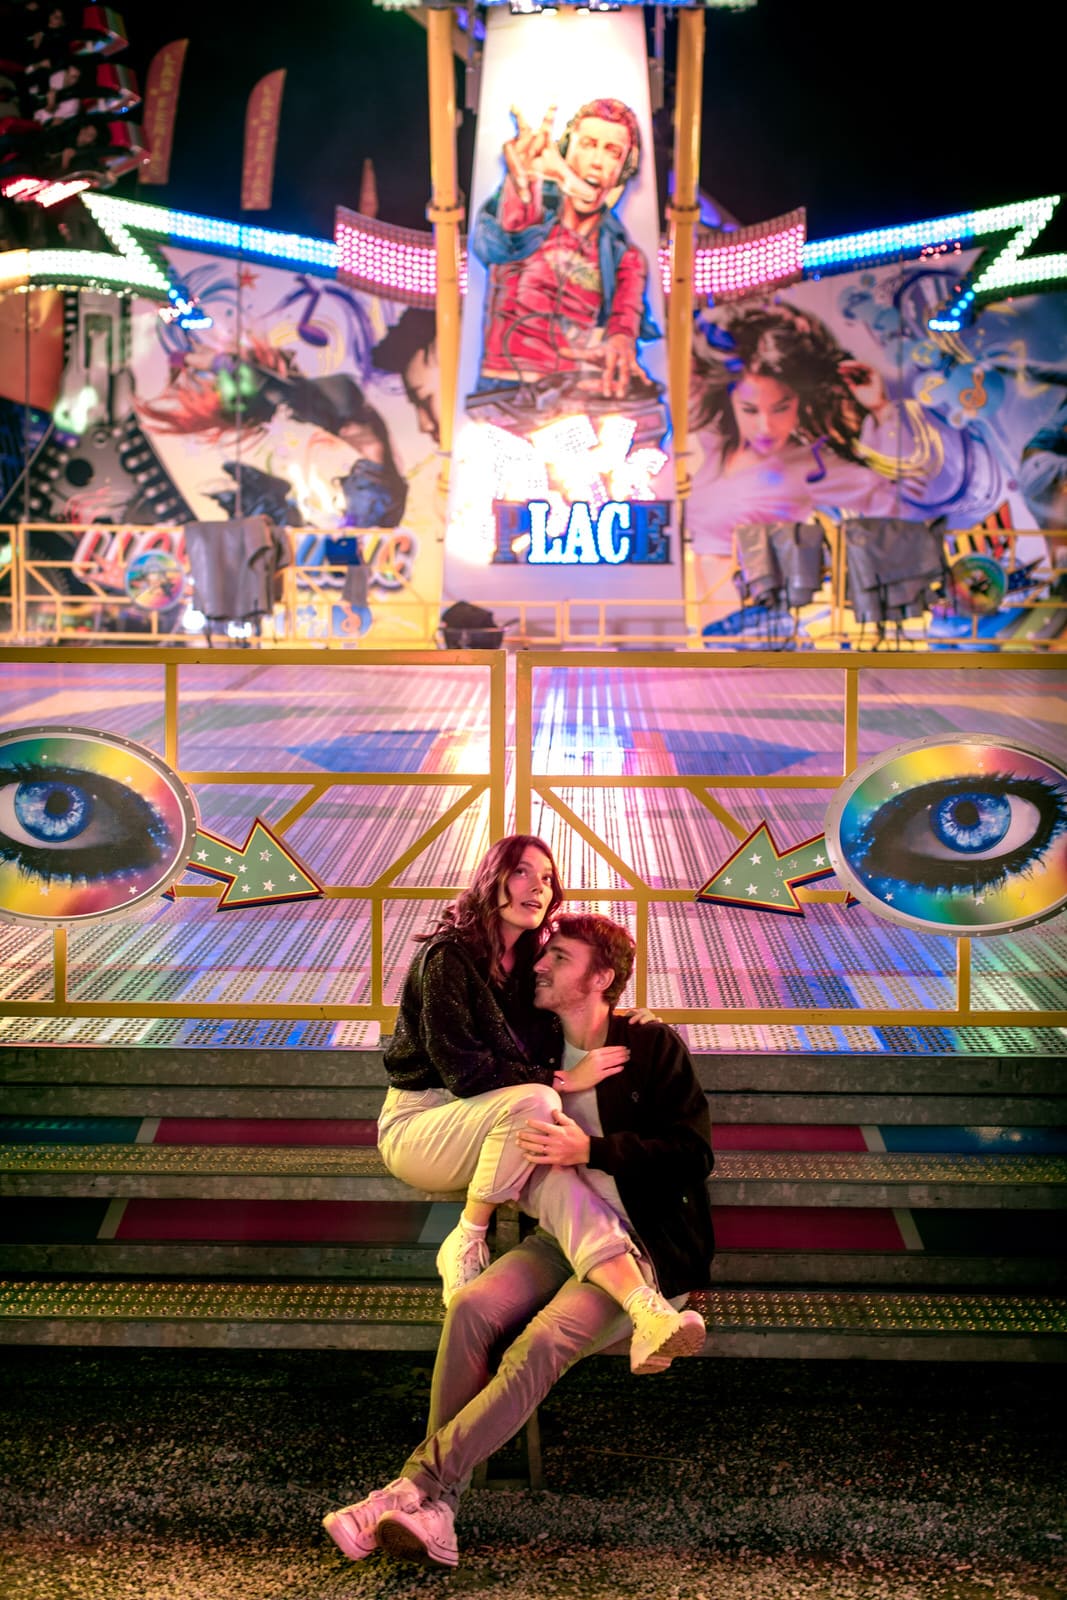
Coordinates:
<point>866,115</point>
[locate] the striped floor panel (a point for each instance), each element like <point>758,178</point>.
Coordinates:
<point>316,722</point>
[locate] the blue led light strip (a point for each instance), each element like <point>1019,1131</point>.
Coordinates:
<point>996,273</point>
<point>185,227</point>
<point>133,226</point>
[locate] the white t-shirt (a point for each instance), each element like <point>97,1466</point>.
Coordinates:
<point>582,1107</point>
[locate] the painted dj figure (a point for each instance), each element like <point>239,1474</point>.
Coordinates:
<point>566,296</point>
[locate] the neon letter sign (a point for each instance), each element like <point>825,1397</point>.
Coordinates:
<point>621,531</point>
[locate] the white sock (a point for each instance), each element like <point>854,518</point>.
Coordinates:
<point>645,1288</point>
<point>477,1230</point>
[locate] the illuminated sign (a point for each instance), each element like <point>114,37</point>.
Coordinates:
<point>620,531</point>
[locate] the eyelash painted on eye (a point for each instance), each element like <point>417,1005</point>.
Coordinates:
<point>140,845</point>
<point>962,874</point>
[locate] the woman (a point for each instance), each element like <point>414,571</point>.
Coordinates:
<point>787,423</point>
<point>473,1061</point>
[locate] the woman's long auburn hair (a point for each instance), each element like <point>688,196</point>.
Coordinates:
<point>475,916</point>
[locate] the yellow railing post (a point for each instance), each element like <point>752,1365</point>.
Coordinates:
<point>683,214</point>
<point>377,949</point>
<point>963,977</point>
<point>498,743</point>
<point>445,211</point>
<point>59,966</point>
<point>641,957</point>
<point>850,753</point>
<point>523,741</point>
<point>18,582</point>
<point>170,713</point>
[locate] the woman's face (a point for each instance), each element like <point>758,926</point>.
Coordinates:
<point>526,893</point>
<point>766,413</point>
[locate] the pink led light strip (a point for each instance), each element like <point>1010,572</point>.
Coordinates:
<point>400,262</point>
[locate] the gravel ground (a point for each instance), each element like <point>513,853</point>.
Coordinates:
<point>155,1475</point>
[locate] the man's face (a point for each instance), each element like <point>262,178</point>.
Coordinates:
<point>420,385</point>
<point>597,152</point>
<point>565,976</point>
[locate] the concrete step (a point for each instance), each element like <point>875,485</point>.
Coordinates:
<point>742,1178</point>
<point>414,1263</point>
<point>850,1324</point>
<point>347,1104</point>
<point>358,1069</point>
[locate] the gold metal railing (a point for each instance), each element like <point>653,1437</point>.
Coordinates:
<point>36,606</point>
<point>711,791</point>
<point>643,896</point>
<point>178,666</point>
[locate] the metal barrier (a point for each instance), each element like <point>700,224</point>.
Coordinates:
<point>643,896</point>
<point>37,605</point>
<point>179,667</point>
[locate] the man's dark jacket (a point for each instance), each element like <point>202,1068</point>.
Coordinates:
<point>656,1144</point>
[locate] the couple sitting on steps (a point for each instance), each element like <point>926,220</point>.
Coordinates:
<point>513,1077</point>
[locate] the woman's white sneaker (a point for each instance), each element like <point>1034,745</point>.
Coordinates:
<point>460,1259</point>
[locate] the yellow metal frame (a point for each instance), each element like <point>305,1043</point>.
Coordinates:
<point>376,894</point>
<point>410,620</point>
<point>643,896</point>
<point>402,611</point>
<point>178,664</point>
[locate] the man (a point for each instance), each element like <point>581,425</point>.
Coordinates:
<point>642,1137</point>
<point>566,291</point>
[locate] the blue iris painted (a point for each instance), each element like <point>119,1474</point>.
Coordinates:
<point>54,811</point>
<point>972,822</point>
<point>67,823</point>
<point>940,837</point>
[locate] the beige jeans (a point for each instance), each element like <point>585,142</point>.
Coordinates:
<point>433,1140</point>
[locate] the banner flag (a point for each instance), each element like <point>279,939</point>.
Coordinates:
<point>261,141</point>
<point>160,109</point>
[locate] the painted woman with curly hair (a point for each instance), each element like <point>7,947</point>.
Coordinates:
<point>780,411</point>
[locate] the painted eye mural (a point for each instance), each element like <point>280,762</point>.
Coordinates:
<point>962,834</point>
<point>90,825</point>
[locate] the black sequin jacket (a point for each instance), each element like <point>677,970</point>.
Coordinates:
<point>656,1144</point>
<point>452,1031</point>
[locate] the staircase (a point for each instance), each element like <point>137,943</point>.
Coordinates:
<point>872,1206</point>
